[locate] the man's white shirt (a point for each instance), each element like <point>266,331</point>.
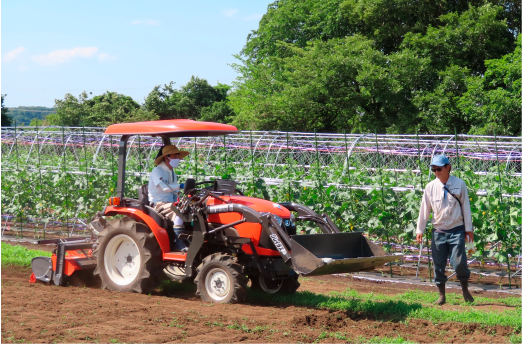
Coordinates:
<point>159,191</point>
<point>447,213</point>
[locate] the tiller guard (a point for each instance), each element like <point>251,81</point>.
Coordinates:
<point>334,253</point>
<point>72,255</point>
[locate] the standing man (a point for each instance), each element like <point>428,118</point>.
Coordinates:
<point>448,197</point>
<point>163,186</point>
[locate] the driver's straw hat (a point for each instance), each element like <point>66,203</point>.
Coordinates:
<point>440,160</point>
<point>170,149</point>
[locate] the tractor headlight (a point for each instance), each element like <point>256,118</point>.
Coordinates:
<point>278,219</point>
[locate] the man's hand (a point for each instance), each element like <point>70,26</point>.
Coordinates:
<point>419,238</point>
<point>166,210</point>
<point>181,186</point>
<point>469,236</point>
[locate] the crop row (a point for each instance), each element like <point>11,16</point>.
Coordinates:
<point>357,200</point>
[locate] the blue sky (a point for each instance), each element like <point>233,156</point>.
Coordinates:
<point>50,48</point>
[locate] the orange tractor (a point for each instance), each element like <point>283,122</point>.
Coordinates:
<point>231,238</point>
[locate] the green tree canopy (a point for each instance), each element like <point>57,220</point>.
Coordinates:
<point>361,65</point>
<point>493,101</point>
<point>6,119</point>
<point>339,84</point>
<point>188,101</point>
<point>98,111</point>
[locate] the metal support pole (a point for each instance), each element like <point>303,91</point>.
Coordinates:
<point>287,165</point>
<point>382,195</point>
<point>419,157</point>
<point>419,262</point>
<point>252,161</point>
<point>195,159</point>
<point>65,182</point>
<point>39,168</point>
<point>139,158</point>
<point>318,174</point>
<point>112,161</point>
<point>349,177</point>
<point>16,145</point>
<point>225,151</point>
<point>500,189</point>
<point>85,158</point>
<point>457,148</point>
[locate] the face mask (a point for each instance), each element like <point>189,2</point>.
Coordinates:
<point>173,162</point>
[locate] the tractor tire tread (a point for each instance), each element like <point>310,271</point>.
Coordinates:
<point>235,269</point>
<point>149,277</point>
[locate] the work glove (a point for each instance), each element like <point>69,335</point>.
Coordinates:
<point>181,186</point>
<point>166,211</point>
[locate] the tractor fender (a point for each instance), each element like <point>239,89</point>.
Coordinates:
<point>160,233</point>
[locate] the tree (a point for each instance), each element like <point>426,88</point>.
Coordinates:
<point>6,119</point>
<point>493,101</point>
<point>438,107</point>
<point>465,39</point>
<point>341,84</point>
<point>219,112</point>
<point>406,68</point>
<point>188,101</point>
<point>99,111</point>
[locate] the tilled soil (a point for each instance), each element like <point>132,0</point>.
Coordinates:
<point>42,313</point>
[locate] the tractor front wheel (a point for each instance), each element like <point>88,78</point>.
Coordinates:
<point>128,257</point>
<point>220,280</point>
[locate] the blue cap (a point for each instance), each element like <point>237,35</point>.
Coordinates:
<point>439,160</point>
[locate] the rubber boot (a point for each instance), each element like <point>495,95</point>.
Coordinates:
<point>465,292</point>
<point>442,294</point>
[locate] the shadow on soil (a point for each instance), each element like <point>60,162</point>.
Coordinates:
<point>353,308</point>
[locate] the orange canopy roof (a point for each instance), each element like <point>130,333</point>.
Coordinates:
<point>171,128</point>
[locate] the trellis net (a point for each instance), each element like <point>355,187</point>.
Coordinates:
<point>54,179</point>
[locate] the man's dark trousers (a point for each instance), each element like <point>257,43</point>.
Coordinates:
<point>452,244</point>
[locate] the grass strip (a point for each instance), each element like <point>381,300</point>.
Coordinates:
<point>516,338</point>
<point>20,255</point>
<point>429,298</point>
<point>361,339</point>
<point>399,310</point>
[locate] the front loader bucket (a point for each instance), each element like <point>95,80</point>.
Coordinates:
<point>324,254</point>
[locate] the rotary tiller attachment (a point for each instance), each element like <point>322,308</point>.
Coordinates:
<point>71,263</point>
<point>324,254</point>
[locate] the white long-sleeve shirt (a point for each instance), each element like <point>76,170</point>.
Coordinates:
<point>160,190</point>
<point>447,213</point>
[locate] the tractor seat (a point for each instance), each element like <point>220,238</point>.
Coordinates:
<point>143,195</point>
<point>145,206</point>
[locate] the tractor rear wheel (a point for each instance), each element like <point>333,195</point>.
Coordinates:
<point>128,257</point>
<point>282,286</point>
<point>220,279</point>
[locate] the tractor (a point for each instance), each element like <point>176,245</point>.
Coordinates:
<point>231,238</point>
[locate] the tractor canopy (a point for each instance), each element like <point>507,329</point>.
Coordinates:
<point>171,128</point>
<point>165,129</point>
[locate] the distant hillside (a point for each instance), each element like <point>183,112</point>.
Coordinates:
<point>24,114</point>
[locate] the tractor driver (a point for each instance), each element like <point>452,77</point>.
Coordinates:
<point>163,186</point>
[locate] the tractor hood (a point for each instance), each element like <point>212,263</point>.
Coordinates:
<point>260,205</point>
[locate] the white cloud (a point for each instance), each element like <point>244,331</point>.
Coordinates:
<point>253,17</point>
<point>230,13</point>
<point>13,54</point>
<point>106,57</point>
<point>61,56</point>
<point>146,22</point>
